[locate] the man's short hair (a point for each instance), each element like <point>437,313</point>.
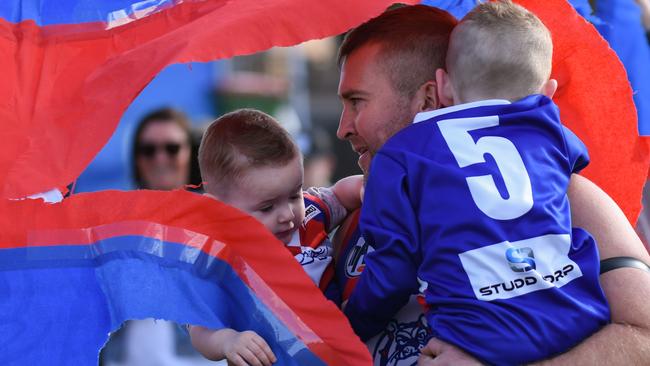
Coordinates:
<point>240,140</point>
<point>413,42</point>
<point>499,50</point>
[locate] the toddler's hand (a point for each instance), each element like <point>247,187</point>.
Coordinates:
<point>248,348</point>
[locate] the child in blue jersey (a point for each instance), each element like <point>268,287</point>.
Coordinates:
<point>249,161</point>
<point>468,205</point>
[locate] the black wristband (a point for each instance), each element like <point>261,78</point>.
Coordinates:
<point>610,264</point>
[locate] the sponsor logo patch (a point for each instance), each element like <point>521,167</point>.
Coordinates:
<point>355,262</point>
<point>509,269</point>
<point>310,212</point>
<point>521,259</point>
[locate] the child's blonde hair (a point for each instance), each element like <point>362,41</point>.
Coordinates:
<point>499,50</point>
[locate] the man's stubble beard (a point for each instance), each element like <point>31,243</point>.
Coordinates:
<point>401,118</point>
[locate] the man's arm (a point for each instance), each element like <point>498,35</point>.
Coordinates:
<point>626,341</point>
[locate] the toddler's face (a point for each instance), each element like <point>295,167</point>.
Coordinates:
<point>273,195</point>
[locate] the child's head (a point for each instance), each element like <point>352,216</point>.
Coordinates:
<point>499,50</point>
<point>249,161</point>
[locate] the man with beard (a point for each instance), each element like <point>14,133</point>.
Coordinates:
<point>387,76</point>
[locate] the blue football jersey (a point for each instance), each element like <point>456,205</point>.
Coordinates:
<point>468,207</point>
<point>399,343</point>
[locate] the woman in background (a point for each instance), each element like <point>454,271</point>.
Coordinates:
<point>162,151</point>
<point>164,158</point>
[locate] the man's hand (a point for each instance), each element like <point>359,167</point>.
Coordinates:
<point>247,348</point>
<point>439,353</point>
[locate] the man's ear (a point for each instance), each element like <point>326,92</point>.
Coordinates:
<point>549,88</point>
<point>445,90</point>
<point>426,98</point>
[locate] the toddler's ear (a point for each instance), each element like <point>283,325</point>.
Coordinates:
<point>445,89</point>
<point>549,88</point>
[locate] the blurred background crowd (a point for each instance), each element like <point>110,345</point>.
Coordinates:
<point>155,144</point>
<point>297,85</point>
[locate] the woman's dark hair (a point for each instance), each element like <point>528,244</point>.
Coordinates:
<point>164,115</point>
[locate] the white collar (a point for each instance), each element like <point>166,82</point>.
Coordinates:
<point>423,116</point>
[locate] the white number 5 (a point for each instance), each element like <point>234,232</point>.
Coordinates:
<point>483,189</point>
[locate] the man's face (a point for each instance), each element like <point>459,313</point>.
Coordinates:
<point>373,110</point>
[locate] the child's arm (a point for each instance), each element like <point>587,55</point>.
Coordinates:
<point>348,191</point>
<point>389,224</point>
<point>239,348</point>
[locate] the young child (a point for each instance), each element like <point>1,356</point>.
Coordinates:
<point>249,161</point>
<point>468,206</point>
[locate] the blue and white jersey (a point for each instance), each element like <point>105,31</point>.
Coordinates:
<point>399,343</point>
<point>468,207</point>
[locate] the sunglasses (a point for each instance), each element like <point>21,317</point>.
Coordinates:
<point>150,150</point>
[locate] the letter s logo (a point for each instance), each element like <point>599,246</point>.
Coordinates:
<point>521,259</point>
<point>485,291</point>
